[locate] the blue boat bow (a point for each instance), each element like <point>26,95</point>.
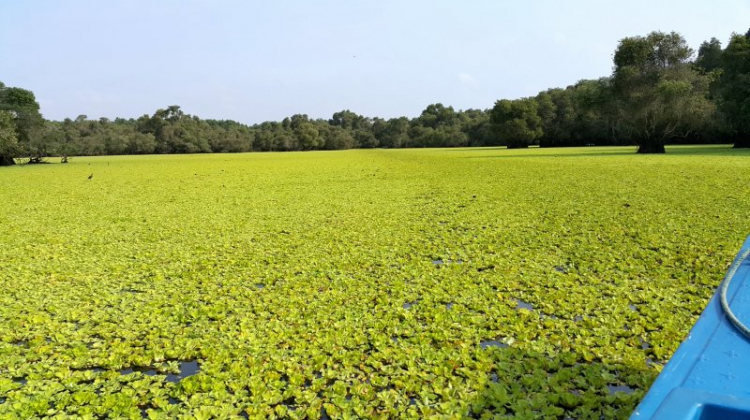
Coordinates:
<point>708,377</point>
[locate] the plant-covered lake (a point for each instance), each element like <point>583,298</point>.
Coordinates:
<point>443,283</point>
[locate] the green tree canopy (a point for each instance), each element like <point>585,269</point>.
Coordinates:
<point>661,95</point>
<point>27,121</point>
<point>8,139</point>
<point>735,88</point>
<point>709,55</point>
<point>517,123</point>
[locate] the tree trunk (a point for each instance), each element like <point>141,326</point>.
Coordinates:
<point>651,146</point>
<point>742,143</point>
<point>6,160</point>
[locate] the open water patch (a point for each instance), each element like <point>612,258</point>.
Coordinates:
<point>408,305</point>
<point>187,368</point>
<point>449,305</point>
<point>645,345</point>
<point>523,305</point>
<point>144,370</point>
<point>290,403</point>
<point>613,389</point>
<point>492,343</point>
<point>144,410</point>
<point>440,262</point>
<point>95,369</point>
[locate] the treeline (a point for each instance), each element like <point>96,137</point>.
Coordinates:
<point>171,130</point>
<point>572,117</point>
<point>659,92</point>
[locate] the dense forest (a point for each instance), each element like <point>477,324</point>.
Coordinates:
<point>660,92</point>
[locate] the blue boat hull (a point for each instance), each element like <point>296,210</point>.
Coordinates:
<point>708,377</point>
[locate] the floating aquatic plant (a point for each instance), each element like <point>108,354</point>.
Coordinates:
<point>462,283</point>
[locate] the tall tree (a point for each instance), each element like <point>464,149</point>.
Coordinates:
<point>396,133</point>
<point>517,123</point>
<point>349,120</point>
<point>709,55</point>
<point>735,88</point>
<point>476,124</point>
<point>27,120</point>
<point>661,95</point>
<point>596,120</point>
<point>307,134</point>
<point>8,139</point>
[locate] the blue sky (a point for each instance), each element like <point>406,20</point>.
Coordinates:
<point>253,61</point>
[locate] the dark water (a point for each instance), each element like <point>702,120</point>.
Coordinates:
<point>145,371</point>
<point>523,305</point>
<point>132,291</point>
<point>645,345</point>
<point>438,263</point>
<point>188,368</point>
<point>324,414</point>
<point>93,369</point>
<point>620,388</point>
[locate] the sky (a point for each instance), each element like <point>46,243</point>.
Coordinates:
<point>254,61</point>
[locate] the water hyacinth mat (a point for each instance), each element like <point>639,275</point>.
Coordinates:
<point>377,284</point>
